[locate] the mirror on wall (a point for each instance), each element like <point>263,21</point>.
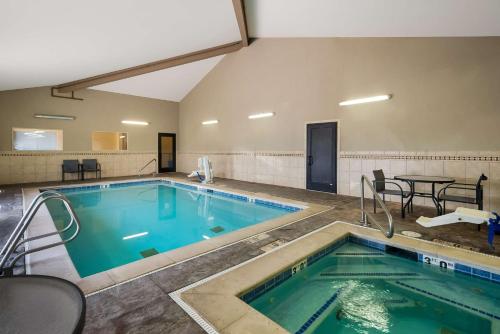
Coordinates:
<point>109,141</point>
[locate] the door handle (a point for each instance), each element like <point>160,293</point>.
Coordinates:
<point>310,160</point>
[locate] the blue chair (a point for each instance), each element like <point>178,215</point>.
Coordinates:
<point>71,167</point>
<point>91,165</point>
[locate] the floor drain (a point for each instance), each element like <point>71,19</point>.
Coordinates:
<point>411,234</point>
<point>149,252</point>
<point>217,229</point>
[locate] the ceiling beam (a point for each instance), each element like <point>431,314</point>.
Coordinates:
<point>149,67</point>
<point>239,10</point>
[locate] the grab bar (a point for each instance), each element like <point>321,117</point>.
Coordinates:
<point>14,241</point>
<point>365,215</point>
<point>149,163</point>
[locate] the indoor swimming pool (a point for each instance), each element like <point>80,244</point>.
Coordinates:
<point>126,222</point>
<point>359,286</point>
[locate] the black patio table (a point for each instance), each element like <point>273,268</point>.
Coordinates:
<point>413,179</point>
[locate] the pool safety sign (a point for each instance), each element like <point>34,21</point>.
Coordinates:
<point>437,261</point>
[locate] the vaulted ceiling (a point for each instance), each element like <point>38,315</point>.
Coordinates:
<point>46,43</point>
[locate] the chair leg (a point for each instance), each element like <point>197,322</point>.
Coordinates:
<point>374,204</point>
<point>444,207</point>
<point>402,208</point>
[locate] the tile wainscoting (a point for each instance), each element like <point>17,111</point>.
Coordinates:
<point>463,166</point>
<point>288,168</point>
<point>27,167</point>
<point>278,168</point>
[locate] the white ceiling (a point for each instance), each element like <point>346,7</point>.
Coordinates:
<point>170,84</point>
<point>55,41</point>
<point>373,18</point>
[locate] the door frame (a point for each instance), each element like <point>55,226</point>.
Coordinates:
<point>335,120</point>
<point>167,134</point>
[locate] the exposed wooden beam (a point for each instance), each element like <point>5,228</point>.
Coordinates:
<point>239,10</point>
<point>149,67</point>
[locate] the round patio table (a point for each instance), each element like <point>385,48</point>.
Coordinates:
<point>40,304</point>
<point>433,180</point>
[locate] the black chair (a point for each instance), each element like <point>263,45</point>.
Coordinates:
<point>477,199</point>
<point>71,167</point>
<point>91,165</point>
<point>379,184</point>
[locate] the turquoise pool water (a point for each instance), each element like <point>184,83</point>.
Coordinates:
<point>126,223</point>
<point>357,289</point>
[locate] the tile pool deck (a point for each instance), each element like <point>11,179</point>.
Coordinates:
<point>143,305</point>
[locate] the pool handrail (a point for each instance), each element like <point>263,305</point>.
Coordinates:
<point>365,215</point>
<point>15,241</point>
<point>149,163</point>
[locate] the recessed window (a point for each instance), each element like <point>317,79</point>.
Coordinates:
<point>37,139</point>
<point>109,141</point>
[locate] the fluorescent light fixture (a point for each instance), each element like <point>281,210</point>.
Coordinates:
<point>62,117</point>
<point>135,235</point>
<point>365,100</point>
<point>212,121</point>
<point>261,115</point>
<point>135,122</point>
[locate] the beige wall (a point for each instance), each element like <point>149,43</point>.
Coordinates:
<point>446,95</point>
<point>100,111</point>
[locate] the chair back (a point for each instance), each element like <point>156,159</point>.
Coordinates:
<point>380,180</point>
<point>479,187</point>
<point>89,164</point>
<point>70,166</point>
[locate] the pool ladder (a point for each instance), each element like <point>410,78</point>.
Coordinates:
<point>368,216</point>
<point>14,242</point>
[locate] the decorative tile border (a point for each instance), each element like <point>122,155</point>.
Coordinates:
<point>458,156</point>
<point>251,153</point>
<point>79,153</point>
<point>190,187</point>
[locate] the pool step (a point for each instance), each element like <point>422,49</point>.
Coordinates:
<point>349,254</point>
<point>367,274</point>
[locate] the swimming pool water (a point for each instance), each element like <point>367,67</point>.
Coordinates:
<point>124,224</point>
<point>357,289</point>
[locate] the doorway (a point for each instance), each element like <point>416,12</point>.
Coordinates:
<point>322,156</point>
<point>166,152</point>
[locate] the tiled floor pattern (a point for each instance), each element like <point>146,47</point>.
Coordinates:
<point>143,305</point>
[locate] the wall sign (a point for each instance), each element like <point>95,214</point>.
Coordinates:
<point>437,261</point>
<point>299,266</point>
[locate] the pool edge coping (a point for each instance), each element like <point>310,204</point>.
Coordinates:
<point>119,275</point>
<point>192,298</point>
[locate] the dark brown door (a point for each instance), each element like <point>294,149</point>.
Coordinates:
<point>166,152</point>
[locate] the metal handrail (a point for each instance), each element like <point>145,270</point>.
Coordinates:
<point>365,215</point>
<point>15,241</point>
<point>149,163</point>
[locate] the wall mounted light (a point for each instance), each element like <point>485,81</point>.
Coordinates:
<point>212,121</point>
<point>366,100</point>
<point>60,117</point>
<point>261,115</point>
<point>135,122</point>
